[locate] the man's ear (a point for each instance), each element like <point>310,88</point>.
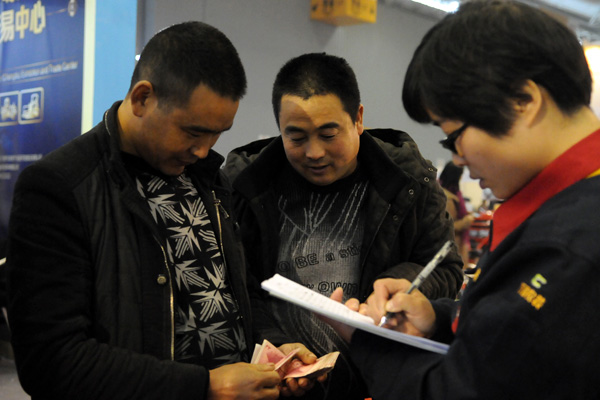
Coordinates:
<point>141,96</point>
<point>359,120</point>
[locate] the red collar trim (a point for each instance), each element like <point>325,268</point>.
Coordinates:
<point>573,165</point>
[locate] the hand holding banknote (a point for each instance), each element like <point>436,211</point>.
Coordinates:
<point>298,367</point>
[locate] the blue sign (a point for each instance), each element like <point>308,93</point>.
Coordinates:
<point>41,83</point>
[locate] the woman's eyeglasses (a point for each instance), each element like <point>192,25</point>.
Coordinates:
<point>450,142</point>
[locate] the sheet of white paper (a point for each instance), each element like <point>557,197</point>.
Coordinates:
<point>302,296</point>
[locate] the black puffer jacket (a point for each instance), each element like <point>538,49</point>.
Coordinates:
<point>406,220</point>
<point>91,301</point>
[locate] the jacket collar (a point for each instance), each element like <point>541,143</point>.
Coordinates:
<point>267,157</point>
<point>262,170</point>
<point>577,163</point>
<point>385,174</point>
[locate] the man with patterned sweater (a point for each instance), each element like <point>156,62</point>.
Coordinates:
<point>127,280</point>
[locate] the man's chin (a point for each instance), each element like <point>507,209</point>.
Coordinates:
<point>172,171</point>
<point>320,180</point>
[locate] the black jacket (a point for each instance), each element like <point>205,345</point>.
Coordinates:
<point>406,219</point>
<point>515,339</point>
<point>91,296</point>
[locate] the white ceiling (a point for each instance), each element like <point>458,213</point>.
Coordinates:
<point>583,16</point>
<point>585,9</point>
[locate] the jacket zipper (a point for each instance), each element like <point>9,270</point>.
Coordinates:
<point>219,207</point>
<point>171,300</point>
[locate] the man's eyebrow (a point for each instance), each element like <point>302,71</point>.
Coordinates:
<point>329,125</point>
<point>296,129</point>
<point>293,129</point>
<point>203,129</point>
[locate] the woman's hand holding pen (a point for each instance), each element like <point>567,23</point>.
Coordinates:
<point>413,313</point>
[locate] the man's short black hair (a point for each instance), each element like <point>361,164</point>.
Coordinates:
<point>473,64</point>
<point>181,57</point>
<point>317,74</point>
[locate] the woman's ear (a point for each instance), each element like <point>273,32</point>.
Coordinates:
<point>531,105</point>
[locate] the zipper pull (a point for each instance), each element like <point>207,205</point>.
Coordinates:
<point>217,203</point>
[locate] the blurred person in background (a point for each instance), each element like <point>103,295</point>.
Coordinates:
<point>457,208</point>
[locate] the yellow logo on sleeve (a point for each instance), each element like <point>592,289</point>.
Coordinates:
<point>529,293</point>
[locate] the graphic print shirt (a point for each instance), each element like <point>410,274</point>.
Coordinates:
<point>321,233</point>
<point>208,329</point>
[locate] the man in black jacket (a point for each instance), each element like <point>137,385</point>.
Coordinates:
<point>126,278</point>
<point>329,204</point>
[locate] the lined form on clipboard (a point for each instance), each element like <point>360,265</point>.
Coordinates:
<point>302,296</point>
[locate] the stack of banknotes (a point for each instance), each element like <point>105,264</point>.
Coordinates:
<point>289,367</point>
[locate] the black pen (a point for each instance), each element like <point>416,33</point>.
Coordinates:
<point>441,254</point>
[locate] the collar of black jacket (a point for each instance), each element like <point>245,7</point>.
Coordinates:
<point>386,154</point>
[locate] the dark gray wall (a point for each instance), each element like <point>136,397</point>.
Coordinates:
<point>267,33</point>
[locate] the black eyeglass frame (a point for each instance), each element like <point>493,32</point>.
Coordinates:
<point>449,143</point>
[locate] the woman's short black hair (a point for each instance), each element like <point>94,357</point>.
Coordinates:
<point>473,64</point>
